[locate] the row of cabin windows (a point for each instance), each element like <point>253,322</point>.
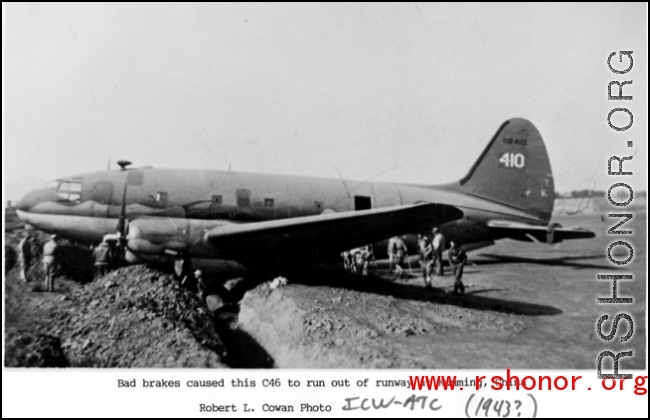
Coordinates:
<point>70,191</point>
<point>161,197</point>
<point>218,199</point>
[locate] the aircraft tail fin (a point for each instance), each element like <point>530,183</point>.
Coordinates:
<point>514,169</point>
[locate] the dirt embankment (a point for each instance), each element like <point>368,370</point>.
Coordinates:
<point>307,326</point>
<point>132,317</point>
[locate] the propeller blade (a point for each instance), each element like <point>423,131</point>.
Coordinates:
<point>121,224</point>
<point>121,228</point>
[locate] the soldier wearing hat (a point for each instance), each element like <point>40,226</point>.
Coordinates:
<point>50,256</point>
<point>438,244</point>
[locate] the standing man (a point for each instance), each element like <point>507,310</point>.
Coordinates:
<point>363,259</point>
<point>457,259</point>
<point>369,260</point>
<point>201,286</point>
<point>346,261</point>
<point>103,258</point>
<point>25,255</point>
<point>50,256</point>
<point>438,244</point>
<point>391,253</point>
<point>400,254</point>
<point>115,247</point>
<point>425,252</point>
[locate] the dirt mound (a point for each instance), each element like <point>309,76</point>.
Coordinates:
<point>132,317</point>
<point>323,327</point>
<point>27,349</point>
<point>138,317</point>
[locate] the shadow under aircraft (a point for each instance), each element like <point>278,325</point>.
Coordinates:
<point>381,286</point>
<point>564,261</point>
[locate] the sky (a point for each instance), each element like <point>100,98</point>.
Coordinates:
<point>399,92</point>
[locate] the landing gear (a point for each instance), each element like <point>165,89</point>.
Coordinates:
<point>214,295</point>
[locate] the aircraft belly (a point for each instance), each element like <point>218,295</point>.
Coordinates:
<point>76,228</point>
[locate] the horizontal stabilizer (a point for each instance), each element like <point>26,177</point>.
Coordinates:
<point>551,234</point>
<point>325,234</point>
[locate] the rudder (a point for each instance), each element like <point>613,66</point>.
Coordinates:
<point>514,169</point>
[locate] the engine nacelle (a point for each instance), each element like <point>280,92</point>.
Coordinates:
<point>169,236</point>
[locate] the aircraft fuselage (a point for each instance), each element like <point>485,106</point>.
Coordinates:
<point>86,207</point>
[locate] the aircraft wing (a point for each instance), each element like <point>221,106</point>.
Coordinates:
<point>326,234</point>
<point>551,234</point>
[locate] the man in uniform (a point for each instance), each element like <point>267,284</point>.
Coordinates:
<point>25,255</point>
<point>369,259</point>
<point>457,259</point>
<point>50,256</point>
<point>363,256</point>
<point>438,244</point>
<point>400,253</point>
<point>103,258</point>
<point>347,260</point>
<point>201,286</point>
<point>391,253</point>
<point>425,252</point>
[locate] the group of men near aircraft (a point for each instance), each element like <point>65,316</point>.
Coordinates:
<point>105,254</point>
<point>357,261</point>
<point>29,249</point>
<point>430,252</point>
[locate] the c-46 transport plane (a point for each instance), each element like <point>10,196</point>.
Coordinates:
<point>230,222</point>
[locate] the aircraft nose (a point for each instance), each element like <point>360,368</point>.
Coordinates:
<point>35,197</point>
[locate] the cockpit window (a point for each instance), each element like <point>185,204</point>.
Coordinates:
<point>70,191</point>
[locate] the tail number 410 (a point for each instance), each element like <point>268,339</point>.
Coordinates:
<point>513,160</point>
